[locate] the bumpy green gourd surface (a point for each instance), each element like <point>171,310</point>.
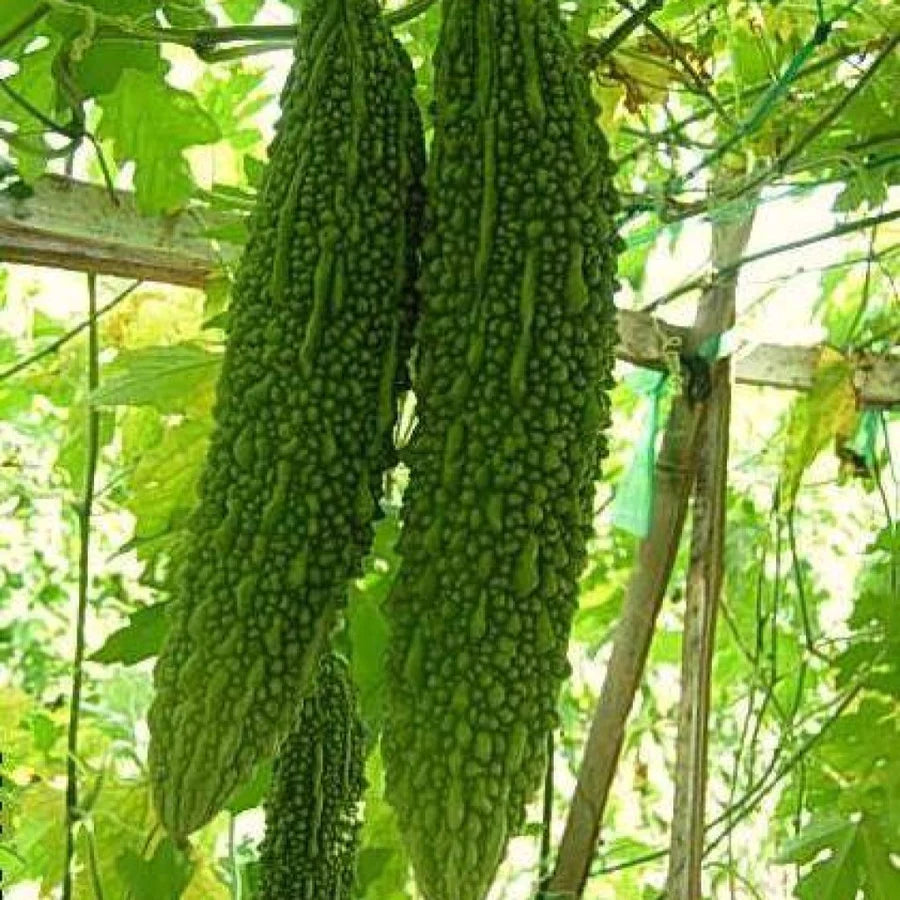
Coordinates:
<point>313,807</point>
<point>515,354</point>
<point>320,326</point>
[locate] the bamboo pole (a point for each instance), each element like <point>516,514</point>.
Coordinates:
<point>675,469</point>
<point>703,589</point>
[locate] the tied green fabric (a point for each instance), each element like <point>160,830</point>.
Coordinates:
<point>633,506</point>
<point>634,497</point>
<point>863,441</point>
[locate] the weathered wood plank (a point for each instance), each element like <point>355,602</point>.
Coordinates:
<point>70,224</point>
<point>875,377</point>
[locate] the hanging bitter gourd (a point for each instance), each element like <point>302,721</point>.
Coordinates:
<point>320,326</point>
<point>313,807</point>
<point>515,350</point>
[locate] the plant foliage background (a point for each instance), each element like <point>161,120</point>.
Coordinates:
<point>715,111</point>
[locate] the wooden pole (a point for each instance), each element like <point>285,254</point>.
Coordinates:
<point>646,588</point>
<point>70,224</point>
<point>675,469</point>
<point>704,583</point>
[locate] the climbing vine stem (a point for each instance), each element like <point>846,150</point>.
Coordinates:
<point>544,869</point>
<point>84,509</point>
<point>205,41</point>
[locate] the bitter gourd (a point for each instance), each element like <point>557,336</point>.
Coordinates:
<point>313,806</point>
<point>515,350</point>
<point>320,325</point>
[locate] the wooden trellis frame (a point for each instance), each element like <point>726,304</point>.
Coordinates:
<point>70,224</point>
<point>74,225</point>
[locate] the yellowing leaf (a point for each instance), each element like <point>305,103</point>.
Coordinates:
<point>204,884</point>
<point>644,80</point>
<point>118,823</point>
<point>155,317</point>
<point>36,836</point>
<point>824,414</point>
<point>14,706</point>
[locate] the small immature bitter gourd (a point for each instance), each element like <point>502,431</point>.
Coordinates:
<point>515,350</point>
<point>320,327</point>
<point>313,807</point>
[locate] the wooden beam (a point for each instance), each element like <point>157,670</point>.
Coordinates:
<point>71,224</point>
<point>68,224</point>
<point>875,377</point>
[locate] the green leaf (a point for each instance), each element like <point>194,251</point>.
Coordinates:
<point>103,64</point>
<point>34,83</point>
<point>233,98</point>
<point>43,326</point>
<point>633,263</point>
<point>366,623</point>
<point>863,188</point>
<point>383,870</point>
<point>123,698</point>
<point>165,875</point>
<point>593,624</point>
<point>72,457</point>
<point>882,877</point>
<point>368,635</point>
<point>45,732</point>
<point>585,16</point>
<point>37,837</point>
<point>251,794</point>
<point>633,506</point>
<point>140,639</point>
<point>254,169</point>
<point>859,858</point>
<point>887,540</point>
<point>242,11</point>
<point>748,59</point>
<point>218,296</point>
<point>188,14</point>
<point>817,836</point>
<point>370,866</point>
<point>163,481</point>
<point>834,878</point>
<point>168,378</point>
<point>151,123</point>
<point>16,12</point>
<point>133,11</point>
<point>623,849</point>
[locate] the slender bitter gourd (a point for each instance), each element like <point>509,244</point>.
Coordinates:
<point>320,325</point>
<point>313,807</point>
<point>515,350</point>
